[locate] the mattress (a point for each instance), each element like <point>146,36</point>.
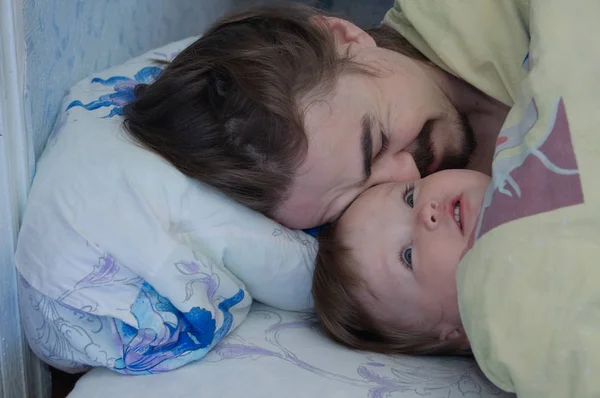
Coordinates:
<point>279,353</point>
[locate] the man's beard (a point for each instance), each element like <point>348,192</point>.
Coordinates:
<point>424,154</point>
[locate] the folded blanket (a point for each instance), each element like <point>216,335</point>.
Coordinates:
<point>529,289</point>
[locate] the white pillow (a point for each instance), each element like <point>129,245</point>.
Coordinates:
<point>104,215</point>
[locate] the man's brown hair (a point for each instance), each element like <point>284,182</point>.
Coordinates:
<point>344,316</point>
<point>227,111</point>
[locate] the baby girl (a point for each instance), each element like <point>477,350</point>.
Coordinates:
<point>384,278</point>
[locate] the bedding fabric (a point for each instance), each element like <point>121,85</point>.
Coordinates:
<point>128,264</point>
<point>529,289</point>
<point>276,353</point>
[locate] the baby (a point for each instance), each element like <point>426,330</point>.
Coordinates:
<point>384,277</point>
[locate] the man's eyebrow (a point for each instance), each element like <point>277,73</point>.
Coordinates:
<point>367,144</point>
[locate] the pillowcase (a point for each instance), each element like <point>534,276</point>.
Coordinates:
<point>113,231</point>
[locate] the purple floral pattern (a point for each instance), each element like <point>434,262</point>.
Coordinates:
<point>380,376</point>
<point>106,272</point>
<point>295,236</point>
<point>68,338</point>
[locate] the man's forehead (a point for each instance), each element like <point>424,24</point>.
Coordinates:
<point>335,151</point>
<point>341,111</point>
<point>333,171</point>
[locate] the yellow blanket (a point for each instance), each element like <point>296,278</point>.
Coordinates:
<point>529,290</point>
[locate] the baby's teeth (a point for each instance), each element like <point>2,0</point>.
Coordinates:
<point>457,214</point>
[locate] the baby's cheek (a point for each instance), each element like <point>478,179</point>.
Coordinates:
<point>471,240</point>
<point>470,244</point>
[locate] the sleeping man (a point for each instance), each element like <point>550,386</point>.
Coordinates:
<point>289,112</point>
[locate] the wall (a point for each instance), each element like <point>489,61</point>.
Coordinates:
<point>66,40</point>
<point>365,14</point>
<point>20,374</point>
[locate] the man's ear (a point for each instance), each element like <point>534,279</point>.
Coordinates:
<point>456,336</point>
<point>345,33</point>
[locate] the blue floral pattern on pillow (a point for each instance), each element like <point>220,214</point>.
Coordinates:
<point>167,338</point>
<point>162,337</point>
<point>315,231</point>
<point>123,91</point>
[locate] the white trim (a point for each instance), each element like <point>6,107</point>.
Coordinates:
<point>21,374</point>
<point>12,47</point>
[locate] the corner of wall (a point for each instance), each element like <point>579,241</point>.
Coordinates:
<point>21,374</point>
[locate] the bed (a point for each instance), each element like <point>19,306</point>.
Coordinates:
<point>278,353</point>
<point>272,352</point>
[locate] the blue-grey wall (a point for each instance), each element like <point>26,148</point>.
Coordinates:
<point>364,13</point>
<point>67,40</point>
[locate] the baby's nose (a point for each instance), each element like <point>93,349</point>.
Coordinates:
<point>430,214</point>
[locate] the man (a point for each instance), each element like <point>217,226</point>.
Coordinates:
<point>289,112</point>
<point>294,114</point>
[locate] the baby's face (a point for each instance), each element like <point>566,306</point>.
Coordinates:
<point>408,240</point>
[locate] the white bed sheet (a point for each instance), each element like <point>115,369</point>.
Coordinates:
<point>277,353</point>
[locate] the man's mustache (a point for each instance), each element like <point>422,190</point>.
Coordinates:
<point>424,152</point>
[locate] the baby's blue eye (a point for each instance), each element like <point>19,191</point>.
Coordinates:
<point>409,199</point>
<point>408,194</point>
<point>406,257</point>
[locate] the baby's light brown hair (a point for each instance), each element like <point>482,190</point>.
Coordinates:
<point>345,318</point>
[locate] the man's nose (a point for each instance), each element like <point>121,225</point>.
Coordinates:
<point>429,215</point>
<point>402,167</point>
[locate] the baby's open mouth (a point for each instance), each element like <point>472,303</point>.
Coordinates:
<point>457,214</point>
